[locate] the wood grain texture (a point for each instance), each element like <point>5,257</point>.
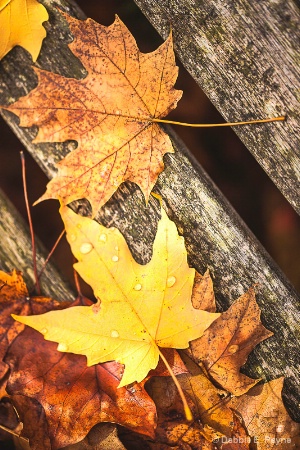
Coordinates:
<point>245,56</point>
<point>215,236</point>
<point>15,253</point>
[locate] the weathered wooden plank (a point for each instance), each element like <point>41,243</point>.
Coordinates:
<point>15,253</point>
<point>215,236</point>
<point>245,56</point>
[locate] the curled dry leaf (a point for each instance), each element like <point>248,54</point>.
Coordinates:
<point>225,346</point>
<point>266,418</point>
<point>109,113</point>
<point>21,24</point>
<point>143,307</point>
<point>209,406</point>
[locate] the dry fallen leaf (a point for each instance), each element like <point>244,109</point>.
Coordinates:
<point>173,430</point>
<point>266,418</point>
<point>109,113</point>
<point>225,346</point>
<point>101,437</point>
<point>212,417</point>
<point>21,24</point>
<point>208,405</point>
<point>203,296</point>
<point>14,298</point>
<point>143,307</point>
<point>74,397</point>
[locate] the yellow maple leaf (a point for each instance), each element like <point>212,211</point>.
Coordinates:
<point>142,307</point>
<point>21,24</point>
<point>109,113</point>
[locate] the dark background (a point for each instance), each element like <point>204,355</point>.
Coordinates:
<point>227,161</point>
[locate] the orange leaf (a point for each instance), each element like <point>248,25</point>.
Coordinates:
<point>226,344</point>
<point>109,113</point>
<point>14,298</point>
<point>74,397</point>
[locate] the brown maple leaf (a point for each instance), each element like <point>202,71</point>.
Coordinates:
<point>266,418</point>
<point>109,113</point>
<point>203,296</point>
<point>212,418</point>
<point>226,344</point>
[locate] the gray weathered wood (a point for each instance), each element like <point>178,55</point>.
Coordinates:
<point>245,56</point>
<point>215,236</point>
<point>15,253</point>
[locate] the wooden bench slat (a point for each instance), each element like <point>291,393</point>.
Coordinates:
<point>245,56</point>
<point>15,253</point>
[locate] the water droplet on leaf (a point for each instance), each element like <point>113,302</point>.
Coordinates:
<point>102,237</point>
<point>44,331</point>
<point>85,248</point>
<point>171,281</point>
<point>73,237</point>
<point>137,287</point>
<point>62,347</point>
<point>114,334</point>
<point>233,349</point>
<point>115,258</point>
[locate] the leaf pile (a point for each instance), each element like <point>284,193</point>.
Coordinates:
<point>69,398</point>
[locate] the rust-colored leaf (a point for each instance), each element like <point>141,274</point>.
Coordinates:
<point>75,397</point>
<point>109,113</point>
<point>173,430</point>
<point>266,418</point>
<point>226,344</point>
<point>14,299</point>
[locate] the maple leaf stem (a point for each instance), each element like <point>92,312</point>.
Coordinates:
<point>37,284</point>
<point>51,252</point>
<point>10,431</point>
<point>76,279</point>
<point>187,411</point>
<point>226,124</point>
